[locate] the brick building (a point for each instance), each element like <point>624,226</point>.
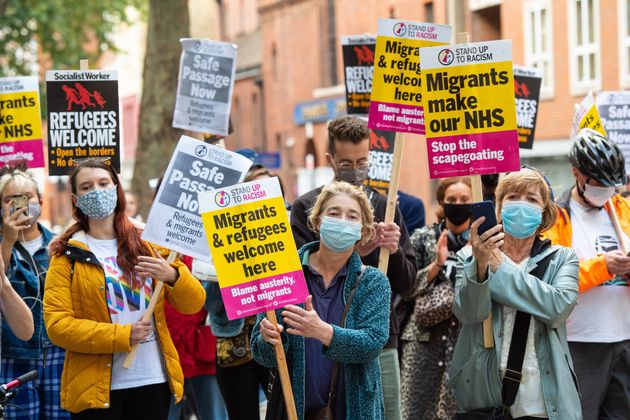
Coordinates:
<point>579,44</point>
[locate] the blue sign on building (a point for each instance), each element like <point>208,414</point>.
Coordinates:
<point>270,160</point>
<point>319,110</point>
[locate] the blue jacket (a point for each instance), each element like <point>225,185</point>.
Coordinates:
<point>25,282</point>
<point>474,372</point>
<point>357,346</point>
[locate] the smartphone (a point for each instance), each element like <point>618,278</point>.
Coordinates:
<point>485,209</point>
<point>18,202</point>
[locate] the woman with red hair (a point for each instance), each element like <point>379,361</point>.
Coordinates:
<point>98,287</point>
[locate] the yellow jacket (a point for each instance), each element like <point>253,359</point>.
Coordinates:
<point>593,271</point>
<point>77,319</point>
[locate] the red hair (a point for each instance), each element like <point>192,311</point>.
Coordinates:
<point>130,245</point>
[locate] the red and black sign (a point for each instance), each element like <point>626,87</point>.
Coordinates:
<point>358,60</point>
<point>527,84</point>
<point>381,160</point>
<point>83,119</point>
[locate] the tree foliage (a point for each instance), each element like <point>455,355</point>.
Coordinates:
<point>57,30</point>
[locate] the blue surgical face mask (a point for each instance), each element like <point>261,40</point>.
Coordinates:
<point>98,204</point>
<point>520,219</point>
<point>339,235</point>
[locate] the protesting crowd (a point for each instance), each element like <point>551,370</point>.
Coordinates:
<point>229,300</point>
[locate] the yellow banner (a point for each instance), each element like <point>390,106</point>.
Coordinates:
<point>20,116</point>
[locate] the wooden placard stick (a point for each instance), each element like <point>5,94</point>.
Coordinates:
<point>392,196</point>
<point>621,237</point>
<point>475,180</point>
<point>83,65</point>
<point>172,256</point>
<point>283,371</point>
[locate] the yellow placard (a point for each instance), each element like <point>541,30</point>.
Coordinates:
<point>592,120</point>
<point>251,241</point>
<point>20,117</point>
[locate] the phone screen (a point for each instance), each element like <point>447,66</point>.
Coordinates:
<point>19,202</point>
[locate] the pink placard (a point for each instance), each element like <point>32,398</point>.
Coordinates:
<point>29,151</point>
<point>473,154</point>
<point>264,294</point>
<point>396,117</point>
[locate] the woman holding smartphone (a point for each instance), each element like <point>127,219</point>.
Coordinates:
<point>101,279</point>
<point>530,288</point>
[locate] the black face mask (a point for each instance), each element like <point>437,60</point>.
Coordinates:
<point>352,176</point>
<point>457,214</point>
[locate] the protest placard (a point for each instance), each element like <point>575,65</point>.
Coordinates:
<point>470,112</point>
<point>587,116</point>
<point>83,118</point>
<point>396,101</point>
<point>358,62</point>
<point>174,220</point>
<point>20,122</point>
<point>614,111</point>
<point>381,160</point>
<point>252,247</point>
<point>527,82</point>
<point>204,88</point>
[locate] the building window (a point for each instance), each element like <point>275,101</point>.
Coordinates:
<point>584,46</point>
<point>428,12</point>
<point>624,41</point>
<point>539,42</point>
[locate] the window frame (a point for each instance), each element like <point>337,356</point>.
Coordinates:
<point>534,7</point>
<point>576,87</point>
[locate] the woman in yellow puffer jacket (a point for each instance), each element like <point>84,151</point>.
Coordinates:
<point>98,286</point>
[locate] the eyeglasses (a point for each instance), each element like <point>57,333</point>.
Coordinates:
<point>347,166</point>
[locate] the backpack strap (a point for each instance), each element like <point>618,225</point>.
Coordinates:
<point>516,355</point>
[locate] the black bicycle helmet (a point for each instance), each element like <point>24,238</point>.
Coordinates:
<point>598,158</point>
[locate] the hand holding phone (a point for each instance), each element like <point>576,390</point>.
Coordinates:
<point>19,202</point>
<point>485,209</point>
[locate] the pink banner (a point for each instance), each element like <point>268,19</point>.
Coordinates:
<point>29,151</point>
<point>396,117</point>
<point>264,294</point>
<point>473,154</point>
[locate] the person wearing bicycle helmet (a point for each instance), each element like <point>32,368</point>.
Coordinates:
<point>599,327</point>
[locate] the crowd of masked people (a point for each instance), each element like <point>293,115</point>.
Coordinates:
<point>408,343</point>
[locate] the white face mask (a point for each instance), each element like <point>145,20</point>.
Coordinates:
<point>598,196</point>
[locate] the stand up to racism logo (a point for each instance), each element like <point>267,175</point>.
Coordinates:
<point>83,118</point>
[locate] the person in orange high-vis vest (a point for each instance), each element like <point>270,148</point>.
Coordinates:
<point>599,327</point>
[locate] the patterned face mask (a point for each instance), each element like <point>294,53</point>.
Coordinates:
<point>98,204</point>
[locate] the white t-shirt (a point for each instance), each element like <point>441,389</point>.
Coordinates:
<point>34,245</point>
<point>126,306</point>
<point>601,314</point>
<point>529,399</point>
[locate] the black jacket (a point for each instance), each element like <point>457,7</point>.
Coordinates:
<point>401,271</point>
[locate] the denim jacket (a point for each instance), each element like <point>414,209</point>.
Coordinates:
<point>25,282</point>
<point>474,372</point>
<point>219,323</point>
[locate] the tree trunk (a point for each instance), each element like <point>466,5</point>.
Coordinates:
<point>168,22</point>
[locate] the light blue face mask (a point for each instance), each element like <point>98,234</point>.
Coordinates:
<point>520,219</point>
<point>339,235</point>
<point>98,204</point>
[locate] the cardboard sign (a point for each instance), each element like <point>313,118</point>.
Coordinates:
<point>358,61</point>
<point>252,247</point>
<point>20,122</point>
<point>204,89</point>
<point>468,92</point>
<point>396,101</point>
<point>527,83</point>
<point>83,118</point>
<point>587,116</point>
<point>614,110</point>
<point>174,220</point>
<point>381,160</point>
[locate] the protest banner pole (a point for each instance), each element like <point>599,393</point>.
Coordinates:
<point>392,196</point>
<point>283,371</point>
<point>83,65</point>
<point>620,235</point>
<point>172,256</point>
<point>477,192</point>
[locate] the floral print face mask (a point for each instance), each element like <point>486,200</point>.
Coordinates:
<point>98,204</point>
